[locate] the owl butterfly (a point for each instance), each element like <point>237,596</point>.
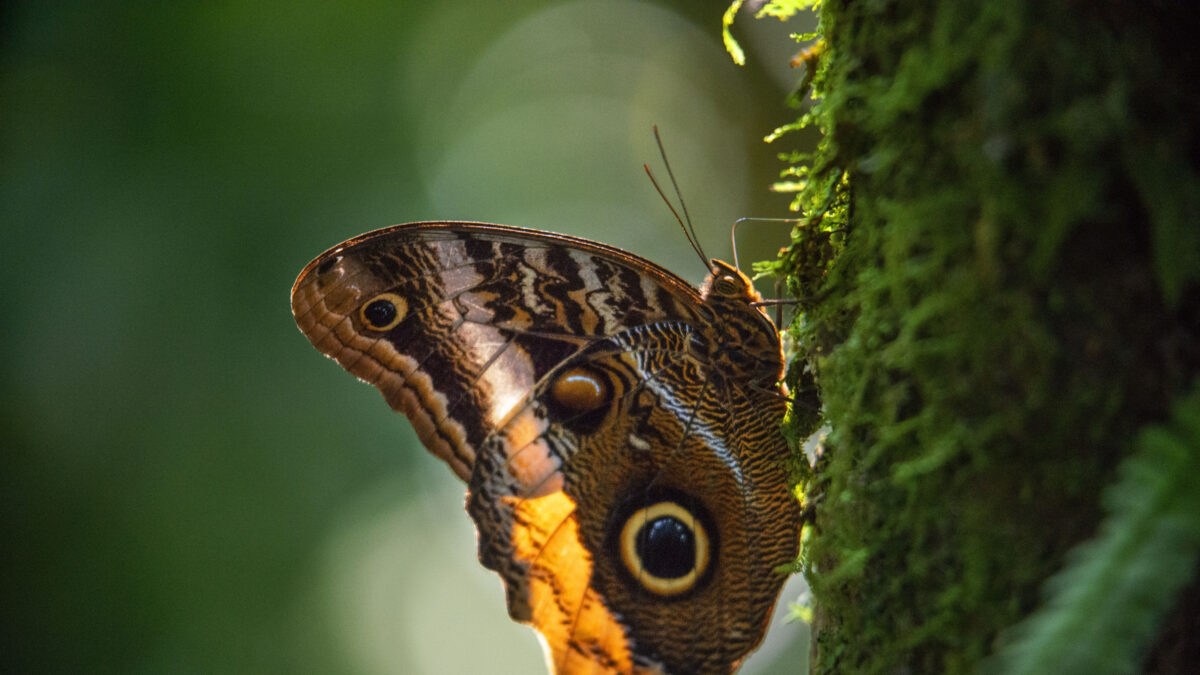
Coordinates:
<point>616,427</point>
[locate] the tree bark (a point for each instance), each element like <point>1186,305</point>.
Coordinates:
<point>999,272</point>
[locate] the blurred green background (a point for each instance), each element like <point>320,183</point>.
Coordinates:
<point>188,485</point>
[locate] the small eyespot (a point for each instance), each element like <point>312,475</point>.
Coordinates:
<point>579,399</point>
<point>665,547</point>
<point>726,285</point>
<point>580,389</point>
<point>383,311</point>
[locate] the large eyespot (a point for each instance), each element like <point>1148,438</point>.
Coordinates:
<point>383,311</point>
<point>665,547</point>
<point>579,399</point>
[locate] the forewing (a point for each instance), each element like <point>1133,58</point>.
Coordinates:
<point>482,312</point>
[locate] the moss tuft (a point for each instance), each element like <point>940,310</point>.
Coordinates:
<point>999,268</point>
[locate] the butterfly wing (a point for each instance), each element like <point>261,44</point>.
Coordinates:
<point>666,433</point>
<point>566,381</point>
<point>478,314</point>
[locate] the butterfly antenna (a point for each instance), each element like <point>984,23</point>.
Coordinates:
<point>739,221</point>
<point>695,246</point>
<point>771,302</point>
<point>688,229</point>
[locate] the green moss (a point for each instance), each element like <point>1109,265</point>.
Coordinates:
<point>998,269</point>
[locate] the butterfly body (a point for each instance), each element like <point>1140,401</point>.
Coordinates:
<point>616,427</point>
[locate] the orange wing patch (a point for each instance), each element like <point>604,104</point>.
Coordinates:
<point>578,631</point>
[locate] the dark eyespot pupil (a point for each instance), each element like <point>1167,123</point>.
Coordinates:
<point>380,313</point>
<point>666,547</point>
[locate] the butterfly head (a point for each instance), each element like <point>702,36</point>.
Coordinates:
<point>726,281</point>
<point>744,338</point>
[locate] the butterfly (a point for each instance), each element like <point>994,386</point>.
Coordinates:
<point>617,428</point>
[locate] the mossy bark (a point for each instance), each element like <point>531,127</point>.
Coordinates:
<point>1000,284</point>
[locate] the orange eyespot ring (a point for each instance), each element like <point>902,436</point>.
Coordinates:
<point>665,547</point>
<point>383,311</point>
<point>580,389</point>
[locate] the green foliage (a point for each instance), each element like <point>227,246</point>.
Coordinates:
<point>731,44</point>
<point>997,265</point>
<point>780,9</point>
<point>786,9</point>
<point>1171,190</point>
<point>1105,607</point>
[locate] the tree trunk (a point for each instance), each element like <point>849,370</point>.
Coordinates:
<point>1000,278</point>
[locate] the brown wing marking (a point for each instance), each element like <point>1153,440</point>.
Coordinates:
<point>452,365</point>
